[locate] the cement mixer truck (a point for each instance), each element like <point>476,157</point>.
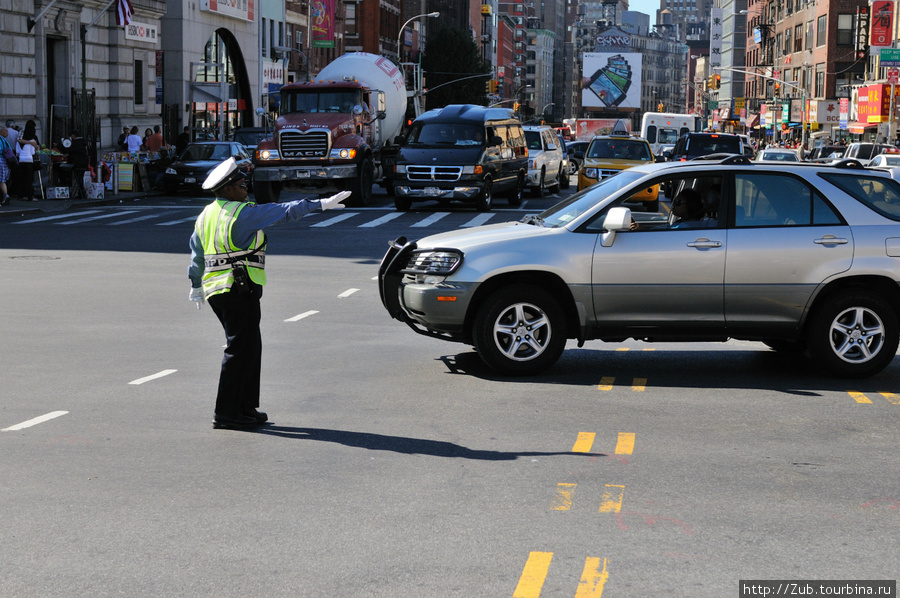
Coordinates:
<point>335,132</point>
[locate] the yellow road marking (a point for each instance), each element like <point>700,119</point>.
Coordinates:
<point>894,399</point>
<point>606,383</point>
<point>584,442</point>
<point>625,445</point>
<point>639,384</point>
<point>592,579</point>
<point>533,575</point>
<point>622,349</point>
<point>564,496</point>
<point>859,397</point>
<point>611,502</point>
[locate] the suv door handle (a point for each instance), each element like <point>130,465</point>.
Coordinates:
<point>830,240</point>
<point>704,244</point>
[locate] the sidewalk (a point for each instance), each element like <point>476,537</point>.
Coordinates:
<point>19,208</point>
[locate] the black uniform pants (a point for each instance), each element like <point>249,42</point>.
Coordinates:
<point>239,379</point>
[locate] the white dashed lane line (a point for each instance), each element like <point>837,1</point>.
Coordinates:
<point>305,314</point>
<point>153,377</point>
<point>35,421</point>
<point>347,293</point>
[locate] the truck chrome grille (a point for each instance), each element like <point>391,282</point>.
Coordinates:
<point>300,145</point>
<point>434,173</point>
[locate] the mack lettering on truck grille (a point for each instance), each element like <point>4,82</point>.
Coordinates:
<point>433,173</point>
<point>298,144</point>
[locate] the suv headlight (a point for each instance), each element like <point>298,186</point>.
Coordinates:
<point>432,266</point>
<point>590,173</point>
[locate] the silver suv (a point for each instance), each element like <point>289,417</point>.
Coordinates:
<point>797,256</point>
<point>545,160</point>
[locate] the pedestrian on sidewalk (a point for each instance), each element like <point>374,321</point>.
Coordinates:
<point>4,168</point>
<point>154,141</point>
<point>227,270</point>
<point>133,142</point>
<point>26,149</point>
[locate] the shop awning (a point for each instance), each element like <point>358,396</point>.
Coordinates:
<point>753,121</point>
<point>859,128</point>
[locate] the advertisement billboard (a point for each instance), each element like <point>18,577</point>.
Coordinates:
<point>882,23</point>
<point>611,80</point>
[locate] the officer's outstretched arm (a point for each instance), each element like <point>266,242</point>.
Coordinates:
<point>334,202</point>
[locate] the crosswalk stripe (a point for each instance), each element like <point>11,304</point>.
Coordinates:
<point>137,219</point>
<point>57,217</point>
<point>173,222</point>
<point>336,219</point>
<point>430,220</point>
<point>100,217</point>
<point>382,220</point>
<point>35,421</point>
<point>478,220</point>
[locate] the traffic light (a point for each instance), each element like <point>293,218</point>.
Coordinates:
<point>488,86</point>
<point>495,85</point>
<point>660,107</point>
<point>718,81</point>
<point>777,88</point>
<point>516,107</point>
<point>714,82</point>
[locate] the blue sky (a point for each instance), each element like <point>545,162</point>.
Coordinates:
<point>648,7</point>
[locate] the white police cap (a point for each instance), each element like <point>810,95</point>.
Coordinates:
<point>223,174</point>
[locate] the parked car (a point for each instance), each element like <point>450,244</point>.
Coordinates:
<point>695,145</point>
<point>575,160</point>
<point>190,168</point>
<point>462,152</point>
<point>778,154</point>
<point>882,160</point>
<point>864,152</point>
<point>589,268</point>
<point>250,137</point>
<point>545,159</point>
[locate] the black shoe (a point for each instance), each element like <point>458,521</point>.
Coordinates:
<point>4,201</point>
<point>234,422</point>
<point>259,416</point>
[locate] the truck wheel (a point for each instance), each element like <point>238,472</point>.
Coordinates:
<point>402,204</point>
<point>519,330</point>
<point>486,199</point>
<point>362,186</point>
<point>853,335</point>
<point>266,192</point>
<point>514,197</point>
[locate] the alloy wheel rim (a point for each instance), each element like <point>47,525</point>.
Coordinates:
<point>857,335</point>
<point>522,331</point>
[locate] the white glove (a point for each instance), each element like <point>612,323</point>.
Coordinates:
<point>334,202</point>
<point>197,296</point>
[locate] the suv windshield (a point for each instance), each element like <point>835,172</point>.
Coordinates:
<point>445,134</point>
<point>703,145</point>
<point>619,149</point>
<point>568,210</point>
<point>533,140</point>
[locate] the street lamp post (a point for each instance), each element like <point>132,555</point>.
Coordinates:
<point>410,20</point>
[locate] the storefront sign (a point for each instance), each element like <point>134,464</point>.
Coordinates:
<point>844,112</point>
<point>142,32</point>
<point>238,9</point>
<point>873,105</point>
<point>824,112</point>
<point>796,111</point>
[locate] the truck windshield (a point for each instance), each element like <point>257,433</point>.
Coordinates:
<point>445,134</point>
<point>322,101</point>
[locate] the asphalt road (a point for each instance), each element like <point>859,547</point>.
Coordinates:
<point>397,465</point>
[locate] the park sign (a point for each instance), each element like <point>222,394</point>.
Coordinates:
<point>890,57</point>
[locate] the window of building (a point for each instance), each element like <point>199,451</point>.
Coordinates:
<point>788,47</point>
<point>821,30</point>
<point>798,38</point>
<point>779,48</point>
<point>845,30</point>
<point>139,83</point>
<point>350,20</point>
<point>809,35</point>
<point>820,80</point>
<point>265,38</point>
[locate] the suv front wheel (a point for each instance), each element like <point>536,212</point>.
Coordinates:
<point>519,330</point>
<point>853,335</point>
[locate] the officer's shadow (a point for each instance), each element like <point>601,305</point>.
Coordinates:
<point>404,445</point>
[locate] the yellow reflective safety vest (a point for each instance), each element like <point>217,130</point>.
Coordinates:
<point>214,226</point>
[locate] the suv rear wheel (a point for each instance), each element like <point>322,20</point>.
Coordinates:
<point>519,330</point>
<point>853,335</point>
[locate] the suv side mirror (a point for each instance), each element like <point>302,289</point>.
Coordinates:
<point>660,158</point>
<point>617,219</point>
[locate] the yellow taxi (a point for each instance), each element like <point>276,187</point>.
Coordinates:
<point>607,155</point>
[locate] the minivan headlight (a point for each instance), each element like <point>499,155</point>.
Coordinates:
<point>470,169</point>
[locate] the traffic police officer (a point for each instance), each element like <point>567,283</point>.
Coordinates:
<point>227,270</point>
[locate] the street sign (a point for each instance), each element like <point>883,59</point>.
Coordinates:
<point>890,56</point>
<point>893,76</point>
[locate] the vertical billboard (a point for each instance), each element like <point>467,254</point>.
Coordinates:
<point>323,23</point>
<point>882,23</point>
<point>715,39</point>
<point>611,80</point>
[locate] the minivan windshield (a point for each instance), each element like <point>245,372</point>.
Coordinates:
<point>445,134</point>
<point>568,210</point>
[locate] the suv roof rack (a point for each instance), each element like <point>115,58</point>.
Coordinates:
<point>736,159</point>
<point>848,163</point>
